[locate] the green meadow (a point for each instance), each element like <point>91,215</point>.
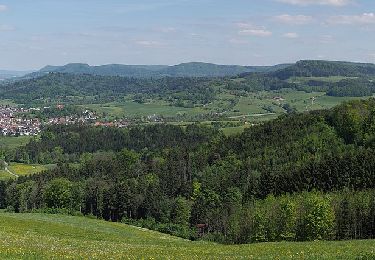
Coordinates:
<point>42,236</point>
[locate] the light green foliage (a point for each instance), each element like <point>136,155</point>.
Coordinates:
<point>181,211</point>
<point>316,218</point>
<point>58,193</point>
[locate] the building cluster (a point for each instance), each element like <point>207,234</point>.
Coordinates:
<point>13,125</point>
<point>14,122</point>
<point>87,117</point>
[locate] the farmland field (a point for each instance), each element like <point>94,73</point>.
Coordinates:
<point>5,175</point>
<point>21,169</point>
<point>13,142</point>
<point>259,104</point>
<point>27,169</point>
<point>39,236</point>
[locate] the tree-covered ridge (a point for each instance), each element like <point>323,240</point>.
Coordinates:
<point>191,69</point>
<point>303,68</point>
<point>57,87</point>
<point>301,177</point>
<point>321,68</point>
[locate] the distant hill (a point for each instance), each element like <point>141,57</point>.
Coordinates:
<point>9,74</point>
<point>320,68</point>
<point>192,69</point>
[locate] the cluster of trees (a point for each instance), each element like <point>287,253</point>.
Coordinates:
<point>300,177</point>
<point>253,82</point>
<point>60,143</point>
<point>350,87</point>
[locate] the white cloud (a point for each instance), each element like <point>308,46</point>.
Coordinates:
<point>363,19</point>
<point>149,43</point>
<point>291,35</point>
<point>293,19</point>
<point>3,8</point>
<point>256,32</point>
<point>250,29</point>
<point>317,2</point>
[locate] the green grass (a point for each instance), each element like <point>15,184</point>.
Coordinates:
<point>4,176</point>
<point>134,109</point>
<point>13,142</point>
<point>39,236</point>
<point>27,169</point>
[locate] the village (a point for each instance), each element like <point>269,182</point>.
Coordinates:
<point>13,125</point>
<point>14,121</point>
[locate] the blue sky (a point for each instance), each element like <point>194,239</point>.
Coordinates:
<point>34,33</point>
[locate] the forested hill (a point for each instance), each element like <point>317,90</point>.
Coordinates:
<point>77,84</point>
<point>301,177</point>
<point>321,68</point>
<point>66,87</point>
<point>192,69</point>
<point>303,68</point>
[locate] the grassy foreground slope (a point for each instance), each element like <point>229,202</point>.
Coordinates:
<point>39,236</point>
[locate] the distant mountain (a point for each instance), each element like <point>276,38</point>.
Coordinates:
<point>9,74</point>
<point>192,69</point>
<point>321,68</point>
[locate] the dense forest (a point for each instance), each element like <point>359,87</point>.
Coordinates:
<point>57,87</point>
<point>321,68</point>
<point>300,177</point>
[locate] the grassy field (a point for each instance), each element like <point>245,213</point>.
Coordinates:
<point>27,169</point>
<point>252,105</point>
<point>39,236</point>
<point>13,142</point>
<point>21,169</point>
<point>4,175</point>
<point>133,109</point>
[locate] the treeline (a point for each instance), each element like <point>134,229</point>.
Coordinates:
<point>252,82</point>
<point>300,177</point>
<point>350,87</point>
<point>347,87</point>
<point>66,144</point>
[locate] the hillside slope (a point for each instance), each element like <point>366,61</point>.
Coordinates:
<point>38,236</point>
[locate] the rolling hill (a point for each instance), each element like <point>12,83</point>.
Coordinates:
<point>39,236</point>
<point>191,69</point>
